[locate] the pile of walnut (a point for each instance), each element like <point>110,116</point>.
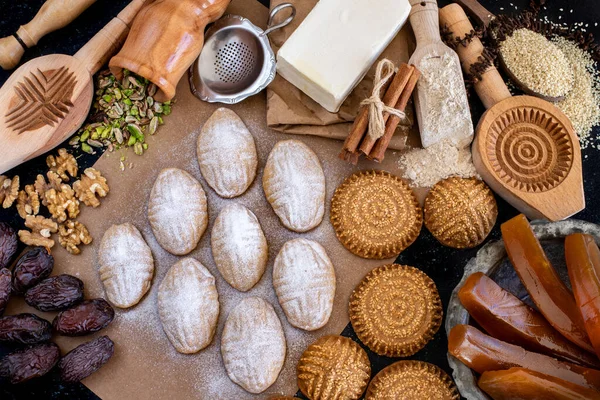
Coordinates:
<point>60,198</point>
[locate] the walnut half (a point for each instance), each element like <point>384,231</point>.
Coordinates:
<point>92,184</point>
<point>41,187</point>
<point>28,202</point>
<point>72,234</point>
<point>62,164</point>
<point>9,190</point>
<point>41,230</point>
<point>60,202</point>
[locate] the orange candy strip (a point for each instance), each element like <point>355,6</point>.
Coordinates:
<point>507,318</point>
<point>583,263</point>
<point>482,353</point>
<point>519,383</point>
<point>549,293</point>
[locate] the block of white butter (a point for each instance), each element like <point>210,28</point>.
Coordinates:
<point>336,44</point>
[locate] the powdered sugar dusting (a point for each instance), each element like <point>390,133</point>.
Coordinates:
<point>253,345</point>
<point>227,153</point>
<point>177,211</point>
<point>304,280</point>
<point>126,265</point>
<point>239,247</point>
<point>188,305</point>
<point>294,184</point>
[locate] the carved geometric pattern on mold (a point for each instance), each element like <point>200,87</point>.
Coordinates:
<point>529,149</point>
<point>42,98</point>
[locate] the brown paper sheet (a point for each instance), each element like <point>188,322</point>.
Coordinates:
<point>291,111</point>
<point>145,365</point>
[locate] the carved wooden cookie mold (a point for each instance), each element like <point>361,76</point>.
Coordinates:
<point>529,149</point>
<point>41,98</point>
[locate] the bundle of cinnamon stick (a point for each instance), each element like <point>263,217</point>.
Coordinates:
<point>396,92</point>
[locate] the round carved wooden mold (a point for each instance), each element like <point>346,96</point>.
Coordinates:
<point>528,145</point>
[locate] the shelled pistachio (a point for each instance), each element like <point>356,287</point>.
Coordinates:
<point>124,111</point>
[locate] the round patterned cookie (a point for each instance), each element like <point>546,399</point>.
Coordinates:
<point>412,380</point>
<point>460,212</point>
<point>395,310</point>
<point>333,367</point>
<point>375,214</point>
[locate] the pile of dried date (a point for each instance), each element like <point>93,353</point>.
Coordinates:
<point>30,278</point>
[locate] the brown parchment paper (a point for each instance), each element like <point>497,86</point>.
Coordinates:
<point>145,365</point>
<point>291,111</point>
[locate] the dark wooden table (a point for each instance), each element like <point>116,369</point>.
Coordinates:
<point>444,265</point>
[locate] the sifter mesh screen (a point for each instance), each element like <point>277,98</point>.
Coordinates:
<point>234,62</point>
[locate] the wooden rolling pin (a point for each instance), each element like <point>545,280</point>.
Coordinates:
<point>490,88</point>
<point>525,148</point>
<point>48,98</point>
<point>53,15</point>
<point>165,39</point>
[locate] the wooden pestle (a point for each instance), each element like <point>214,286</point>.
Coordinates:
<point>490,88</point>
<point>165,39</point>
<point>53,15</point>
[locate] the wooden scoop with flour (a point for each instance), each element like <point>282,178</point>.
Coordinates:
<point>525,148</point>
<point>441,101</point>
<point>48,98</point>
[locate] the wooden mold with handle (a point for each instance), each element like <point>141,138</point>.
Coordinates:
<point>165,39</point>
<point>525,148</point>
<point>53,15</point>
<point>48,98</point>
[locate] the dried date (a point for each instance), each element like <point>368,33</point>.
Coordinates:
<point>55,293</point>
<point>31,268</point>
<point>8,244</point>
<point>87,317</point>
<point>5,288</point>
<point>29,363</point>
<point>86,359</point>
<point>24,328</point>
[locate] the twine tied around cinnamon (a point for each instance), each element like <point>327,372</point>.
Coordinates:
<point>385,70</point>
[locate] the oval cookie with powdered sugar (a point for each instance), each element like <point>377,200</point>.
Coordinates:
<point>227,154</point>
<point>188,306</point>
<point>177,211</point>
<point>126,265</point>
<point>253,345</point>
<point>304,281</point>
<point>239,247</point>
<point>294,184</point>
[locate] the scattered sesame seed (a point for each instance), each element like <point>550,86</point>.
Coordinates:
<point>582,103</point>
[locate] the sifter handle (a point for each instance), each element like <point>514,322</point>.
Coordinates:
<point>491,89</point>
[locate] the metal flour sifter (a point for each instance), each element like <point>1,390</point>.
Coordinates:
<point>236,61</point>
